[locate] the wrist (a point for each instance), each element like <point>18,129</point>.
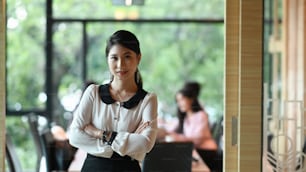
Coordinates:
<point>112,137</point>
<point>108,137</point>
<point>105,136</point>
<point>99,133</point>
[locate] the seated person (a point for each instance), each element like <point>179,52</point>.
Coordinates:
<point>193,125</point>
<point>64,152</point>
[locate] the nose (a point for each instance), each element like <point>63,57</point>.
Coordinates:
<point>121,63</point>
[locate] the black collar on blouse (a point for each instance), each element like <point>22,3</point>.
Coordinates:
<point>132,102</point>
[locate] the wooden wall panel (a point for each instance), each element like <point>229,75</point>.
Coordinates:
<point>2,84</point>
<point>250,117</point>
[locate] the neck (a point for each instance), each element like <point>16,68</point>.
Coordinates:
<point>189,113</point>
<point>120,86</point>
<point>123,91</point>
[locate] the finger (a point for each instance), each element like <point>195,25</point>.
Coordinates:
<point>142,127</point>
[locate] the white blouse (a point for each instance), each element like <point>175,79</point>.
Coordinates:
<point>101,110</point>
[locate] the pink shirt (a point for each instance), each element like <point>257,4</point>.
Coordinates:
<point>196,127</point>
<point>197,130</point>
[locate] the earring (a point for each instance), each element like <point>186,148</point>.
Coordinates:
<point>137,76</point>
<point>111,77</point>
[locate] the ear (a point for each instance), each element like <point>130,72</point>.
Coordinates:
<point>139,58</point>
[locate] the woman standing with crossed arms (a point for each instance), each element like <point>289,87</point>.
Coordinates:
<point>115,123</point>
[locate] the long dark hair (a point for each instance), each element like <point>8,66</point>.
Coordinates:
<point>191,89</point>
<point>128,40</point>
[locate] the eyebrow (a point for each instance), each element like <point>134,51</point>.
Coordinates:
<point>125,53</point>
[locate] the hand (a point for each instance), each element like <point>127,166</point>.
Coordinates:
<point>142,126</point>
<point>174,137</point>
<point>59,133</point>
<point>93,131</point>
<point>162,133</point>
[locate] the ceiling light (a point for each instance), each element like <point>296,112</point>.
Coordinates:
<point>128,2</point>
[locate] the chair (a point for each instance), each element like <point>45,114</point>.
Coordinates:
<point>53,155</point>
<point>11,156</point>
<point>169,156</point>
<point>217,132</point>
<point>41,153</point>
<point>59,154</point>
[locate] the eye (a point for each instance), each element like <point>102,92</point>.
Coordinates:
<point>113,58</point>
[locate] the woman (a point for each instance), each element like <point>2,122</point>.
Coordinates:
<point>115,123</point>
<point>194,124</point>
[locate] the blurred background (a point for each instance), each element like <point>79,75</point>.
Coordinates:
<point>55,47</point>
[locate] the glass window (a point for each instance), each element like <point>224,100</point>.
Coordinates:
<point>152,9</point>
<point>67,65</point>
<point>22,139</point>
<point>25,63</point>
<point>171,54</point>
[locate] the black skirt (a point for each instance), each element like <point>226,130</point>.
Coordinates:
<point>116,163</point>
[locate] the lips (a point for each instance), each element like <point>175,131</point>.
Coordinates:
<point>121,72</point>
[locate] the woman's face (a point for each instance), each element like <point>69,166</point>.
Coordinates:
<point>122,62</point>
<point>184,103</point>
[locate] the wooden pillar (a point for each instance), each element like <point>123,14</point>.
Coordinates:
<point>250,116</point>
<point>243,85</point>
<point>2,84</point>
<point>231,84</point>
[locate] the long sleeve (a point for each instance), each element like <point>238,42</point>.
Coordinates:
<point>133,144</point>
<point>83,116</point>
